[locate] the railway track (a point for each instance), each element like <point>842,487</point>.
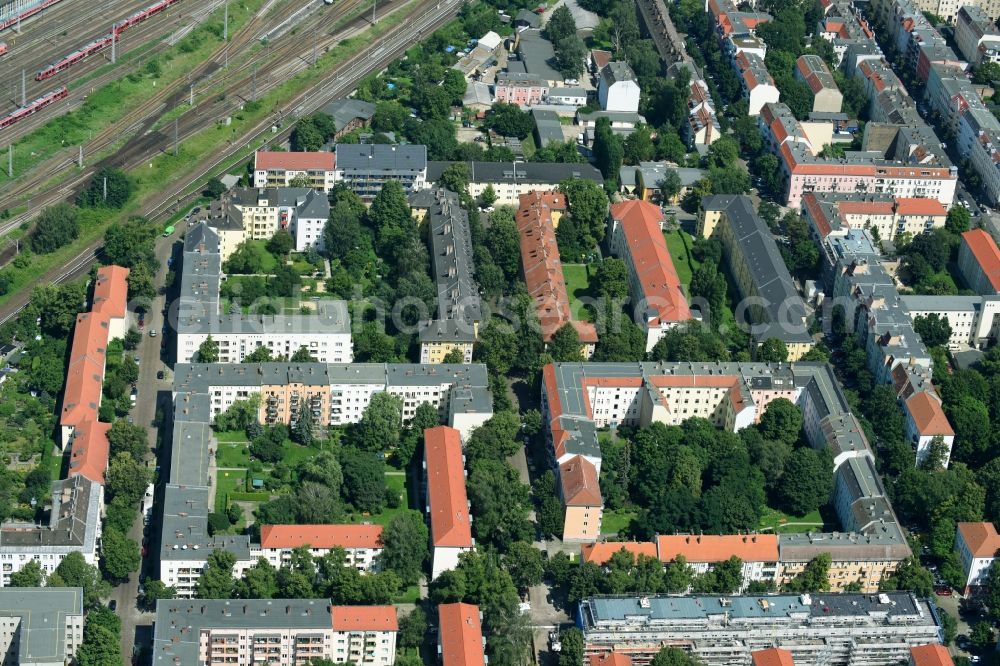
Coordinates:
<point>427,17</point>
<point>139,119</point>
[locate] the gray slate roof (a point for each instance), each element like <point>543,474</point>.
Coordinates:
<point>43,613</point>
<point>356,157</point>
<point>525,172</point>
<point>344,111</point>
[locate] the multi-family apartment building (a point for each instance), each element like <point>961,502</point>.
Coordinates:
<point>520,88</point>
<point>510,180</point>
<point>106,320</point>
<point>279,169</point>
<point>701,552</point>
<point>905,161</point>
<point>617,88</point>
<point>811,70</point>
<point>835,213</point>
<point>977,36</point>
<point>536,219</point>
<point>364,168</point>
<point>979,262</point>
<point>823,629</point>
<point>459,307</point>
<point>974,320</point>
<point>447,504</point>
<point>844,27</point>
<point>977,545</point>
<point>301,211</point>
<point>337,394</point>
<point>756,82</point>
<point>777,310</point>
<point>460,635</point>
<point>771,657</point>
<point>933,654</point>
<point>325,332</point>
<point>579,399</point>
<point>702,127</point>
<point>74,526</point>
<point>361,543</point>
<point>289,632</point>
<point>925,423</point>
<point>40,626</point>
<point>637,238</point>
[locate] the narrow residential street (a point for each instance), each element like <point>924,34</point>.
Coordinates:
<point>153,393</point>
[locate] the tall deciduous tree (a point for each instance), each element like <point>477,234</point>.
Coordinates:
<point>56,226</point>
<point>119,555</point>
<point>216,580</point>
<point>108,188</point>
<point>404,548</point>
<point>208,351</point>
<point>381,423</point>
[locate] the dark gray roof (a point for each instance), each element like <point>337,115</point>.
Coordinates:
<point>344,111</point>
<point>73,519</point>
<point>783,307</point>
<point>180,623</point>
<point>308,203</point>
<point>43,614</point>
<point>381,157</point>
<point>538,55</point>
<point>528,17</point>
<point>542,173</point>
<point>616,72</point>
<point>451,256</point>
<point>330,317</point>
<point>548,126</point>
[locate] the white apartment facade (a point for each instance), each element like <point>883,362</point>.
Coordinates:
<point>279,169</point>
<point>974,320</point>
<point>238,336</point>
<point>977,545</point>
<point>361,544</point>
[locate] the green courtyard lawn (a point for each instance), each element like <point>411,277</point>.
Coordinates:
<point>226,482</point>
<point>232,454</point>
<point>679,245</point>
<point>578,287</point>
<point>231,436</point>
<point>777,521</point>
<point>615,520</point>
<point>396,482</point>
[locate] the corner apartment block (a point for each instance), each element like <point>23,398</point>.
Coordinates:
<point>325,332</point>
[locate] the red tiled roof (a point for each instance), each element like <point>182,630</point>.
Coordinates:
<point>718,548</point>
<point>907,206</point>
<point>930,655</point>
<point>461,635</point>
<point>364,618</point>
<point>981,538</point>
<point>449,509</point>
<point>601,58</point>
<point>580,486</point>
<point>85,373</point>
<point>281,161</point>
<point>321,536</point>
<point>609,659</point>
<point>772,657</point>
<point>987,255</point>
<point>541,265</point>
<point>600,553</point>
<point>927,415</point>
<point>641,227</point>
<point>111,291</point>
<point>89,452</point>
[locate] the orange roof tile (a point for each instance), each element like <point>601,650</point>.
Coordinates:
<point>449,508</point>
<point>908,206</point>
<point>981,539</point>
<point>641,224</point>
<point>281,161</point>
<point>461,635</point>
<point>580,486</point>
<point>321,536</point>
<point>772,657</point>
<point>987,255</point>
<point>718,548</point>
<point>930,655</point>
<point>927,415</point>
<point>364,618</point>
<point>111,291</point>
<point>865,207</point>
<point>90,450</point>
<point>541,265</point>
<point>600,553</point>
<point>609,659</point>
<point>600,57</point>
